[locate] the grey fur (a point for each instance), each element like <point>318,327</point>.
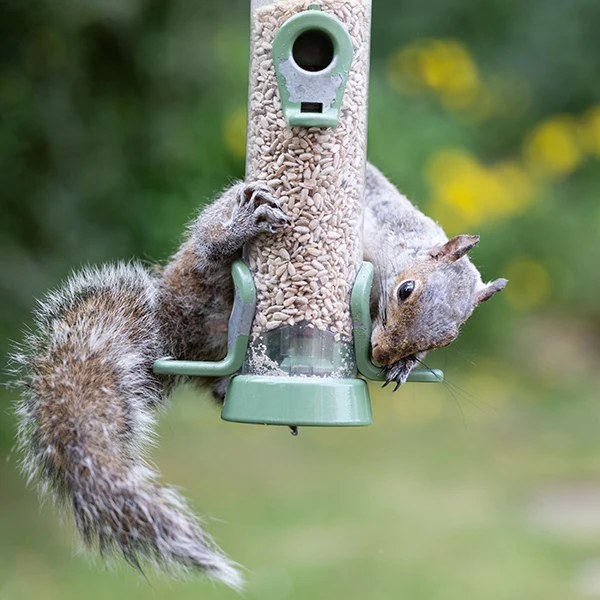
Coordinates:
<point>405,245</point>
<point>89,399</point>
<point>196,290</point>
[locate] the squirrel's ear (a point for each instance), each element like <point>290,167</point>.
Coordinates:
<point>489,290</point>
<point>454,248</point>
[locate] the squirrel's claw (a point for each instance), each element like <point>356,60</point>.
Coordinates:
<point>258,194</point>
<point>269,219</point>
<point>256,189</point>
<point>400,371</point>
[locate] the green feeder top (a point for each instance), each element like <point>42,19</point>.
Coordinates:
<point>312,53</point>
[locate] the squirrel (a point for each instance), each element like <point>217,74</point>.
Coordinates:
<point>425,287</point>
<point>89,397</point>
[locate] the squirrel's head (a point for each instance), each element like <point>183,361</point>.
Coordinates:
<point>422,307</point>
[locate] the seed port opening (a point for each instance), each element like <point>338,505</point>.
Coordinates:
<point>313,50</point>
<point>311,107</point>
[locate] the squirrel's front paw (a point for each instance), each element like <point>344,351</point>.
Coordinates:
<point>260,209</point>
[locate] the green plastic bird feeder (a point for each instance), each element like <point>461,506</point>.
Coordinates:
<point>300,329</point>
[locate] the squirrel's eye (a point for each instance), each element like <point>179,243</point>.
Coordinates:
<point>405,290</point>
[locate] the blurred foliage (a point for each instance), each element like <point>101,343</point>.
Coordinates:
<point>120,118</point>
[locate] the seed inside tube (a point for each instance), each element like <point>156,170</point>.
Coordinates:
<point>318,175</point>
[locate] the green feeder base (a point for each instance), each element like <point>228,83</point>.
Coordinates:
<point>312,401</point>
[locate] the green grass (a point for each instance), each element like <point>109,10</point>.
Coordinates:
<point>419,505</point>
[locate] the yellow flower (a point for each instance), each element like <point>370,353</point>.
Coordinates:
<point>447,67</point>
<point>234,133</point>
<point>467,193</point>
<point>403,72</point>
<point>529,283</point>
<point>553,148</point>
<point>519,188</point>
<point>443,66</point>
<point>452,222</point>
<point>455,176</point>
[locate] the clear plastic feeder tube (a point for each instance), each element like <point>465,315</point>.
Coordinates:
<point>304,273</point>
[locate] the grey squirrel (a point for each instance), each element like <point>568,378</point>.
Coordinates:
<point>425,287</point>
<point>89,396</point>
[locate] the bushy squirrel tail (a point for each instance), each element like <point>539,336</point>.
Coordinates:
<point>86,415</point>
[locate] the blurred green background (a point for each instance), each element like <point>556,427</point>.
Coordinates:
<point>121,117</point>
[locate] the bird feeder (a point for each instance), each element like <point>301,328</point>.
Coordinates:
<point>299,332</point>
